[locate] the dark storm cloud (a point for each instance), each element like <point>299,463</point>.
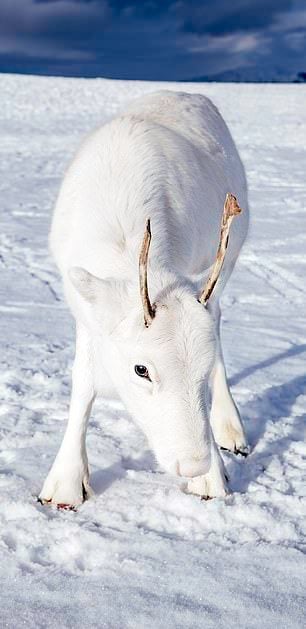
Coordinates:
<point>52,19</point>
<point>226,16</point>
<point>169,39</point>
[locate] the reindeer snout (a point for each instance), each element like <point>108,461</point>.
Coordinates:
<point>191,467</point>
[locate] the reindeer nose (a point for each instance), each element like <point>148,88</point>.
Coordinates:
<point>191,467</point>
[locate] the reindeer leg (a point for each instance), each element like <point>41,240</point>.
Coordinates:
<point>67,483</point>
<point>224,417</point>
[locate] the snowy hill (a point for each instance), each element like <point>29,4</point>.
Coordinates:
<point>142,554</point>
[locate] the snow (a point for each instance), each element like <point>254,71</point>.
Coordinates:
<point>142,553</point>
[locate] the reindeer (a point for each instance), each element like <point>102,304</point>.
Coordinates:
<point>147,315</point>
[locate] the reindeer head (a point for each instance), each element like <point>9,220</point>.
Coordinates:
<point>160,358</point>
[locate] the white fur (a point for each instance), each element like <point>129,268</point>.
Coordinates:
<point>170,157</point>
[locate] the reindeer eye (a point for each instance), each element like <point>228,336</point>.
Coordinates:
<point>142,372</point>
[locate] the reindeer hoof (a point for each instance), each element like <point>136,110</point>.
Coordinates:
<point>61,506</point>
<point>65,507</point>
<point>243,450</point>
<point>42,501</point>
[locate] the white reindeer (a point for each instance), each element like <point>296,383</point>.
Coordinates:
<point>169,158</point>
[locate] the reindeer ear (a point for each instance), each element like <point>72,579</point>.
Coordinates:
<point>88,285</point>
<point>107,297</point>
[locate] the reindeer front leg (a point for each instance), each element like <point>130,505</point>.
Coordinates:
<point>224,417</point>
<point>67,483</point>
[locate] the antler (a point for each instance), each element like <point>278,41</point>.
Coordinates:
<point>148,309</point>
<point>231,209</point>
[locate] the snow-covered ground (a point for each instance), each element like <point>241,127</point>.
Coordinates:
<point>142,554</point>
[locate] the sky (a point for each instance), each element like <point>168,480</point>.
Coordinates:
<point>155,39</point>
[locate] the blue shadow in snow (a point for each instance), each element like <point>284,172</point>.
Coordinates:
<point>248,371</point>
<point>274,405</point>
